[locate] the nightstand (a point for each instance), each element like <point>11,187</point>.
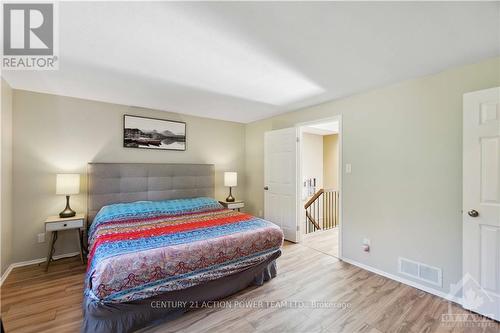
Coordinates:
<point>54,224</point>
<point>233,205</point>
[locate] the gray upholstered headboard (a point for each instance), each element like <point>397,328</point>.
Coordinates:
<point>109,183</point>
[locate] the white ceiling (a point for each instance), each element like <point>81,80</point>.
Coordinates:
<point>244,61</point>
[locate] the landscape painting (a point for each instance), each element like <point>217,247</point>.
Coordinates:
<point>151,133</point>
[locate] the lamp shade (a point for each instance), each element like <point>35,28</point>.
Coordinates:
<point>67,183</point>
<point>230,179</point>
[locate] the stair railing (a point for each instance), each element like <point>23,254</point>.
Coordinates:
<point>322,210</point>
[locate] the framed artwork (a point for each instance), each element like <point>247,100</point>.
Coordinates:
<point>152,133</point>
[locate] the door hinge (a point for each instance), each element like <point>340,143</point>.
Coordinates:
<point>298,228</point>
<point>298,139</point>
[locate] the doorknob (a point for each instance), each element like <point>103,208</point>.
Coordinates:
<point>473,213</point>
<point>266,188</point>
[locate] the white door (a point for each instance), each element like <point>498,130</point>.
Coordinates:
<point>481,202</point>
<point>280,180</point>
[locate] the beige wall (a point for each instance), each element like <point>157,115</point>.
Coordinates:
<point>312,158</point>
<point>330,161</point>
<point>312,165</point>
<point>54,134</point>
<point>404,142</point>
<point>6,177</point>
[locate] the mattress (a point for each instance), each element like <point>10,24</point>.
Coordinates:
<point>142,249</point>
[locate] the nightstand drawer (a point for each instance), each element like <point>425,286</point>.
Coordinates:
<point>56,226</point>
<point>233,205</point>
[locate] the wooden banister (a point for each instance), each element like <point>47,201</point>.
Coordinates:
<point>322,210</point>
<point>316,224</point>
<point>314,197</point>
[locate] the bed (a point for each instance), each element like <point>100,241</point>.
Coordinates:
<point>158,242</point>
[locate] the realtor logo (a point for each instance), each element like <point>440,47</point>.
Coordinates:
<point>29,41</point>
<point>28,29</point>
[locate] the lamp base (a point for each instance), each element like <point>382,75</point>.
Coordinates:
<point>230,198</point>
<point>67,212</point>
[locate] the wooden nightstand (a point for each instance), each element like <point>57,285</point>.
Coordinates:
<point>233,205</point>
<point>54,224</point>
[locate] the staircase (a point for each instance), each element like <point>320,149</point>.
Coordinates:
<point>322,211</point>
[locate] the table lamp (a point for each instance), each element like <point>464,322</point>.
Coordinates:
<point>230,180</point>
<point>67,184</point>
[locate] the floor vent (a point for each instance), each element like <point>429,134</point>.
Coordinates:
<point>420,271</point>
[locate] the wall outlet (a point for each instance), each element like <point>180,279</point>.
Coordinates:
<point>41,238</point>
<point>366,245</point>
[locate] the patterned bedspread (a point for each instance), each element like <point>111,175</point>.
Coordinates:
<point>142,249</point>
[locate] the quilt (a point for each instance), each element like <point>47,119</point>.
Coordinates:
<point>143,249</point>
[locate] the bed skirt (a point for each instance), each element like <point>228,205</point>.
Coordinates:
<point>129,317</point>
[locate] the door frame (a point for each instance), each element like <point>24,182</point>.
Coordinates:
<point>340,177</point>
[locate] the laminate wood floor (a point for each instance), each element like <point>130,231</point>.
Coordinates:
<point>326,241</point>
<point>354,301</point>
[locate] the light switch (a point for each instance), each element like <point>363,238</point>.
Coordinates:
<point>348,168</point>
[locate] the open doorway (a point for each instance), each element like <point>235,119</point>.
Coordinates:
<point>319,181</point>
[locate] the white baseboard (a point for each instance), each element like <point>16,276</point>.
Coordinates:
<point>6,274</point>
<point>410,283</point>
<point>32,262</point>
